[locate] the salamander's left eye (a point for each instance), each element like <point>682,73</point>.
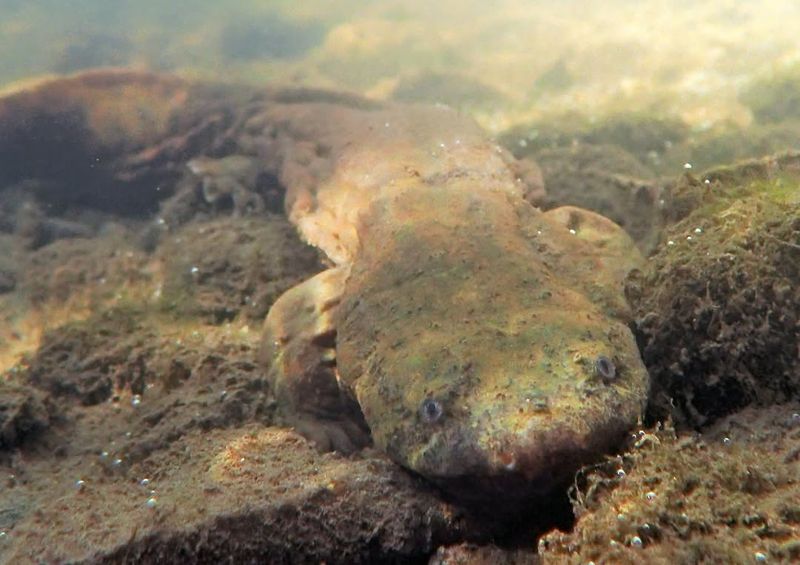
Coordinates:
<point>604,368</point>
<point>431,410</point>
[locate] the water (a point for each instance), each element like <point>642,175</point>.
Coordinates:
<point>540,257</point>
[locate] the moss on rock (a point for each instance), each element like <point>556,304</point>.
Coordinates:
<point>646,136</point>
<point>718,306</point>
<point>729,496</point>
<point>219,269</point>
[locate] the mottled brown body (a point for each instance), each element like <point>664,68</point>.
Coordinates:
<point>476,340</point>
<point>460,325</point>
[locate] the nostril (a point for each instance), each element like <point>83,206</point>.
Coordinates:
<point>431,410</point>
<point>604,368</point>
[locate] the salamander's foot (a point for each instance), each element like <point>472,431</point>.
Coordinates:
<point>343,435</point>
<point>299,350</point>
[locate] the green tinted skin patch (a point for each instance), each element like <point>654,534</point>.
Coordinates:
<point>495,341</point>
<point>466,320</point>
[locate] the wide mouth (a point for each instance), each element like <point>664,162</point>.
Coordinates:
<point>513,469</point>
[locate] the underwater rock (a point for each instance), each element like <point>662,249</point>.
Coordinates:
<point>455,90</point>
<point>157,386</point>
<point>82,360</point>
<point>246,495</point>
<point>646,136</point>
<point>23,413</point>
<point>729,142</point>
<point>718,305</point>
<point>39,230</point>
<point>82,270</point>
<point>473,554</point>
<point>730,495</point>
<point>607,180</point>
<point>221,268</point>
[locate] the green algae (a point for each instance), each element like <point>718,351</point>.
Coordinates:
<point>644,134</point>
<point>218,270</point>
<point>723,497</point>
<point>717,305</point>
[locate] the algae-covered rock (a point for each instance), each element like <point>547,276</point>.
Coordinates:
<point>219,268</point>
<point>607,180</point>
<point>23,413</point>
<point>245,495</point>
<point>86,360</point>
<point>646,136</point>
<point>69,271</point>
<point>729,142</point>
<point>728,496</point>
<point>718,306</point>
<point>472,554</point>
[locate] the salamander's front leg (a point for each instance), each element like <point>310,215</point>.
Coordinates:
<point>299,350</point>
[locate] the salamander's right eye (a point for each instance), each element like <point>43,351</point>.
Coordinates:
<point>604,368</point>
<point>431,410</point>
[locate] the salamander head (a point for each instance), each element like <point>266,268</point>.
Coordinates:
<point>482,366</point>
<point>521,407</point>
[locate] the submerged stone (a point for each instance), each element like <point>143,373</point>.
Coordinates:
<point>719,310</point>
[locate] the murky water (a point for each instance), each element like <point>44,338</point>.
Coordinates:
<point>690,58</point>
<point>536,254</point>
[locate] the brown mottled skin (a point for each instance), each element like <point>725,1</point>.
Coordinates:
<point>459,326</point>
<point>230,178</point>
<point>476,340</point>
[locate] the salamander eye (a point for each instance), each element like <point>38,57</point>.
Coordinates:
<point>604,368</point>
<point>431,410</point>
